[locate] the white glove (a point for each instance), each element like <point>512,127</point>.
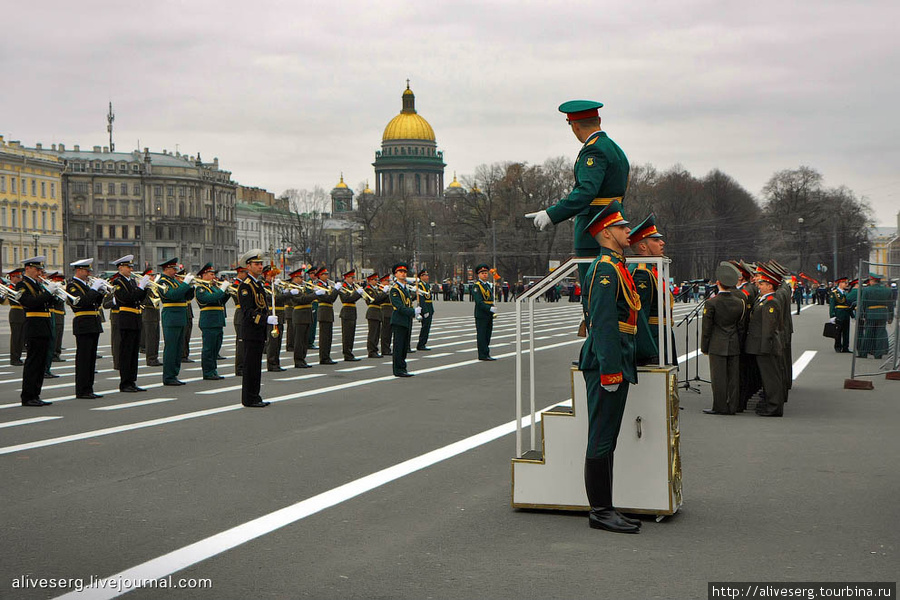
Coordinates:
<point>541,219</point>
<point>272,319</point>
<point>611,388</point>
<point>52,287</point>
<point>98,283</point>
<point>320,292</point>
<point>224,286</point>
<point>189,278</point>
<point>338,285</point>
<point>418,311</point>
<point>294,291</point>
<point>428,315</point>
<point>144,281</point>
<point>385,288</point>
<point>493,309</point>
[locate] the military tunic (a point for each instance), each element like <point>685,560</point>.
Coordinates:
<point>749,376</point>
<point>236,323</point>
<point>87,328</point>
<point>303,318</point>
<point>401,324</point>
<point>273,342</point>
<point>57,311</point>
<point>109,303</point>
<point>426,303</point>
<point>175,299</point>
<point>16,338</point>
<point>874,309</point>
<point>128,298</point>
<point>764,342</point>
<point>36,331</point>
<point>484,318</point>
<point>349,297</point>
<point>723,316</point>
<point>253,324</point>
<point>325,317</point>
<point>387,310</point>
<point>841,311</point>
<point>374,319</point>
<point>211,301</point>
<point>150,328</point>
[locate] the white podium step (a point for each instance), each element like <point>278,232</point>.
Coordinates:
<point>647,472</point>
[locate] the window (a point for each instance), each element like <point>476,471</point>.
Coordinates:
<point>43,189</point>
<point>124,208</point>
<point>2,183</point>
<point>122,167</point>
<point>137,232</point>
<point>98,207</point>
<point>181,191</point>
<point>43,220</point>
<point>123,189</point>
<point>124,232</point>
<point>14,216</point>
<point>3,216</point>
<point>157,191</point>
<point>136,189</point>
<point>112,232</point>
<point>15,255</point>
<point>111,189</point>
<point>112,207</point>
<point>80,187</point>
<point>34,187</point>
<point>170,209</point>
<point>12,181</point>
<point>53,190</point>
<point>97,165</point>
<point>54,256</point>
<point>98,188</point>
<point>170,191</point>
<point>159,232</point>
<point>53,221</point>
<point>99,231</point>
<point>34,219</point>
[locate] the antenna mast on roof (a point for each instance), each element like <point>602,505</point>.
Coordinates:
<point>109,127</point>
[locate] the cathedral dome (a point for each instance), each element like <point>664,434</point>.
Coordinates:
<point>408,125</point>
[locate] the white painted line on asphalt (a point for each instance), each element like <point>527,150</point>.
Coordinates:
<point>192,554</point>
<point>352,369</point>
<point>220,390</point>
<point>807,306</point>
<point>300,377</point>
<point>442,354</point>
<point>133,404</point>
<point>27,421</point>
<point>803,362</point>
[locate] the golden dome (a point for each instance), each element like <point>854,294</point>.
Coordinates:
<point>341,184</point>
<point>368,190</point>
<point>408,125</point>
<point>455,183</point>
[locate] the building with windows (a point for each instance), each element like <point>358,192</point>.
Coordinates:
<point>262,221</point>
<point>154,205</point>
<point>885,248</point>
<point>31,212</point>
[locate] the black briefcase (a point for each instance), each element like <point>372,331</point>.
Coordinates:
<point>831,330</point>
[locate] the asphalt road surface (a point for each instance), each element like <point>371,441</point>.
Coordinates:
<point>354,484</point>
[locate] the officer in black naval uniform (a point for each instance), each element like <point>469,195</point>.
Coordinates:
<point>129,296</point>
<point>401,319</point>
<point>253,327</point>
<point>350,295</point>
<point>16,322</point>
<point>723,315</point>
<point>85,326</point>
<point>36,300</point>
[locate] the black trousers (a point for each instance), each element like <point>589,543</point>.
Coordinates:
<point>238,350</point>
<point>348,336</point>
<point>85,362</point>
<point>188,329</point>
<point>326,336</point>
<point>386,336</point>
<point>483,330</point>
<point>301,342</point>
<point>60,327</point>
<point>424,330</point>
<point>16,340</point>
<point>401,348</point>
<point>273,347</point>
<point>374,336</point>
<point>253,351</point>
<point>842,340</point>
<point>128,357</point>
<point>35,365</point>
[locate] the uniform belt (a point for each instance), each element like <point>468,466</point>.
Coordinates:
<point>324,303</point>
<point>604,201</point>
<point>114,311</point>
<point>386,304</point>
<point>85,313</point>
<point>15,306</point>
<point>174,304</point>
<point>302,306</point>
<point>212,308</point>
<point>136,311</point>
<point>277,308</point>
<point>62,312</point>
<point>879,306</point>
<point>627,328</point>
<point>37,314</point>
<point>843,306</point>
<point>488,301</point>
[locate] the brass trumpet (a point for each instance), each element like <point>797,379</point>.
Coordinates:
<point>61,293</point>
<point>7,291</point>
<point>106,286</point>
<point>362,292</point>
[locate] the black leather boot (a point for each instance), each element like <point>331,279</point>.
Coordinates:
<point>598,484</point>
<point>612,464</point>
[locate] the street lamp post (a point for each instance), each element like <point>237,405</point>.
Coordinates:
<point>433,253</point>
<point>802,241</point>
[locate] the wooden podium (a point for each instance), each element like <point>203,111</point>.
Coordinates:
<point>647,471</point>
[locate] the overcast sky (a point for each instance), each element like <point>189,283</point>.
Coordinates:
<point>292,93</point>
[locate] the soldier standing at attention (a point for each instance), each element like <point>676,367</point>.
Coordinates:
<point>273,342</point>
<point>302,317</point>
<point>175,295</point>
<point>483,291</point>
<point>373,315</point>
<point>150,324</point>
<point>128,297</point>
<point>256,318</point>
<point>723,315</point>
<point>325,316</point>
<point>611,306</point>
<point>36,300</point>
<point>211,300</point>
<point>426,303</point>
<point>601,177</point>
<point>288,317</point>
<point>387,309</point>
<point>839,308</point>
<point>349,297</point>
<point>401,319</point>
<point>237,321</point>
<point>16,323</point>
<point>646,240</point>
<point>85,326</point>
<point>763,341</point>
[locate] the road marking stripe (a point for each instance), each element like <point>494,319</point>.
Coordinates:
<point>133,404</point>
<point>27,421</point>
<point>351,369</point>
<point>803,362</point>
<point>300,377</point>
<point>220,390</point>
<point>192,554</point>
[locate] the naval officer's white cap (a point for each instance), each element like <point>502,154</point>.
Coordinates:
<point>125,260</point>
<point>84,263</point>
<point>35,261</point>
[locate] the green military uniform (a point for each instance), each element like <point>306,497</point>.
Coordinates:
<point>349,295</point>
<point>376,298</point>
<point>484,314</point>
<point>426,303</point>
<point>401,323</point>
<point>302,304</point>
<point>601,176</point>
<point>288,316</point>
<point>387,310</point>
<point>764,335</point>
<point>59,319</point>
<point>647,337</point>
<point>175,297</point>
<point>874,310</point>
<point>16,324</point>
<point>750,381</point>
<point>211,301</point>
<point>723,317</point>
<point>273,342</point>
<point>841,311</point>
<point>325,316</point>
<point>188,330</point>
<point>150,326</point>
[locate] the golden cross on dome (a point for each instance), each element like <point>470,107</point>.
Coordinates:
<point>407,83</point>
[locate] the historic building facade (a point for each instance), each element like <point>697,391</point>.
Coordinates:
<point>262,221</point>
<point>150,204</point>
<point>31,212</point>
